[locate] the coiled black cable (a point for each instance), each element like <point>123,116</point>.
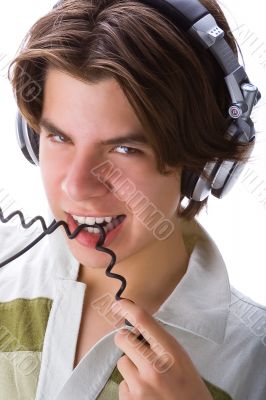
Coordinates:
<point>47,230</point>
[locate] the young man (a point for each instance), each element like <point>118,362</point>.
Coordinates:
<point>122,87</point>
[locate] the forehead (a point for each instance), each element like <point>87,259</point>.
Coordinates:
<point>100,109</point>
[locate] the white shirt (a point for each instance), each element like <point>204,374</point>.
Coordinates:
<point>223,331</point>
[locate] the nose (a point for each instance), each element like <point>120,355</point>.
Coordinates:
<point>80,184</point>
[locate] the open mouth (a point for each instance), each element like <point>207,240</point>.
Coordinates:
<point>107,226</point>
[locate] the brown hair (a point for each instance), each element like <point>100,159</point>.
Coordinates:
<point>175,87</point>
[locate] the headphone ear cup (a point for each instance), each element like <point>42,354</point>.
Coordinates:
<point>28,140</point>
<point>230,170</point>
<point>198,187</point>
<point>188,183</point>
<point>222,174</point>
<point>225,178</point>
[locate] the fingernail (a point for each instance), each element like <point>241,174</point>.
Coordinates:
<point>122,332</point>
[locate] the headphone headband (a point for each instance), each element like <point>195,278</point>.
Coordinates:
<point>193,17</point>
<point>182,13</point>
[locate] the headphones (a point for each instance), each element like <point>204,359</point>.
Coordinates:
<point>195,19</point>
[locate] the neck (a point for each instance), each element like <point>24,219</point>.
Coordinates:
<point>151,275</point>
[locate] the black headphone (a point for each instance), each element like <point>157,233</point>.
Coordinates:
<point>194,18</point>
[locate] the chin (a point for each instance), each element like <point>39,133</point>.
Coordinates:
<point>91,258</point>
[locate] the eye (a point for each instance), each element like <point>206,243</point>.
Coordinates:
<point>128,150</point>
<point>57,138</point>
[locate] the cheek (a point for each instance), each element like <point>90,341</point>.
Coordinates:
<point>165,197</point>
<point>50,185</point>
<point>51,172</point>
<point>151,193</point>
<point>169,194</point>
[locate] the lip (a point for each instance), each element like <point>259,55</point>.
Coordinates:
<point>90,240</point>
<point>78,214</point>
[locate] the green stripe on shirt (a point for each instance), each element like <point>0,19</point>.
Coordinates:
<point>23,324</point>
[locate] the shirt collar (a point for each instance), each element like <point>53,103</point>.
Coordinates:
<point>200,302</point>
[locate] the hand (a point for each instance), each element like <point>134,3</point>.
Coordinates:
<point>155,369</point>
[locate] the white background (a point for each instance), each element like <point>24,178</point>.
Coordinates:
<point>237,222</point>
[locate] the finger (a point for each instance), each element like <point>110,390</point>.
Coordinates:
<point>155,335</point>
<point>139,353</point>
<point>123,391</point>
<point>129,371</point>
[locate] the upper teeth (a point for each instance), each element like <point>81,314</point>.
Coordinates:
<point>92,220</point>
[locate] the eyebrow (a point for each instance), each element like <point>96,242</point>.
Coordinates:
<point>130,138</point>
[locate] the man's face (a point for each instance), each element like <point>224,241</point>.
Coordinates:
<point>86,115</point>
